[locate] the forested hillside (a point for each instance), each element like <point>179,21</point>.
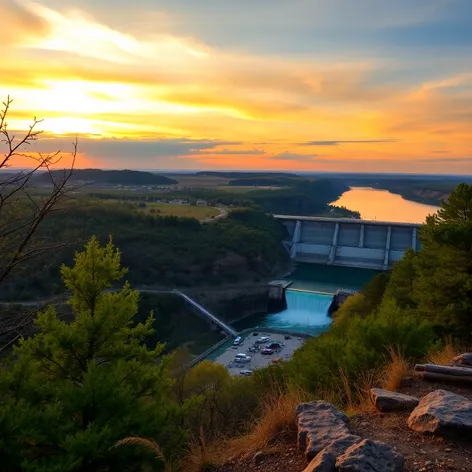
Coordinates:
<point>162,251</point>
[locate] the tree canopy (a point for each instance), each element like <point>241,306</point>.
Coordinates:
<point>73,390</point>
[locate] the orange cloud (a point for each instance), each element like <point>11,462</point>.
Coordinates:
<point>84,76</point>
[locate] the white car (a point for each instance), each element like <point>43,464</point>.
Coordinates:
<point>246,372</point>
<point>242,358</point>
<point>237,341</point>
<point>262,340</point>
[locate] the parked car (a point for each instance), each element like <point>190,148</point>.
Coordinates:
<point>262,339</point>
<point>242,358</point>
<point>246,372</point>
<point>274,345</point>
<point>267,352</point>
<point>237,341</point>
<point>286,337</point>
<point>255,333</point>
<point>253,349</point>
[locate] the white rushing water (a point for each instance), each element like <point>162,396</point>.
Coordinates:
<point>306,312</point>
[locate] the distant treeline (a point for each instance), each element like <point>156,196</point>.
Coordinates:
<point>245,175</point>
<point>111,177</point>
<point>265,181</point>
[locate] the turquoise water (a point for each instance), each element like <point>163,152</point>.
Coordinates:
<point>307,312</point>
<point>327,279</point>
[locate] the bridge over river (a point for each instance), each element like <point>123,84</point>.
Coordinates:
<point>348,242</point>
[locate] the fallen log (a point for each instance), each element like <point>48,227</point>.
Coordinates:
<point>433,377</point>
<point>443,369</point>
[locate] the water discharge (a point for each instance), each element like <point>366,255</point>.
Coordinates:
<point>307,312</point>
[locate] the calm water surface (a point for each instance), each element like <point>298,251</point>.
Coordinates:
<point>382,205</point>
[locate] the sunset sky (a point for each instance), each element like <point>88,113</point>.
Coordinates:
<point>319,85</point>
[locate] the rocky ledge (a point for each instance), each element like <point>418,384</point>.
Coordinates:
<point>325,437</point>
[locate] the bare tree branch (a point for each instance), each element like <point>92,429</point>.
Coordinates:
<point>25,203</point>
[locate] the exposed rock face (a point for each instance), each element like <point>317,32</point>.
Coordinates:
<point>442,413</point>
<point>325,461</point>
<point>370,456</point>
<point>385,400</point>
<point>465,359</point>
<point>324,435</point>
<point>319,424</point>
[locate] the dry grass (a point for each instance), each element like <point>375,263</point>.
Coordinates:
<point>202,455</point>
<point>397,368</point>
<point>356,394</point>
<point>276,422</point>
<point>445,355</point>
<point>150,446</point>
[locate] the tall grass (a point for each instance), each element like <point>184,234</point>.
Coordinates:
<point>203,455</point>
<point>148,444</point>
<point>356,398</point>
<point>445,354</point>
<point>395,370</point>
<point>276,422</point>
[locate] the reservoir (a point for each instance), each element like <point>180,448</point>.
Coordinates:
<point>381,205</point>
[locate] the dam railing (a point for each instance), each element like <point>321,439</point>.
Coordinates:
<point>225,327</point>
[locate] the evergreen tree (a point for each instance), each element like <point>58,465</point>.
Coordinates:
<point>74,389</point>
<point>443,285</point>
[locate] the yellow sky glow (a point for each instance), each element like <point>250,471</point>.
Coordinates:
<point>88,78</point>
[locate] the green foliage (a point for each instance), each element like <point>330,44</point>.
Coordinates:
<point>72,391</point>
<point>364,302</point>
<point>442,271</point>
<point>402,279</point>
<point>359,345</point>
<point>168,251</point>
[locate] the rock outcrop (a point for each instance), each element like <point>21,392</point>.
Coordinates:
<point>319,425</point>
<point>372,456</point>
<point>442,413</point>
<point>324,435</point>
<point>385,400</point>
<point>464,359</point>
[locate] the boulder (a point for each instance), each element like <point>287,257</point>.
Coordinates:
<point>325,461</point>
<point>385,400</point>
<point>259,458</point>
<point>319,425</point>
<point>370,456</point>
<point>442,413</point>
<point>464,359</point>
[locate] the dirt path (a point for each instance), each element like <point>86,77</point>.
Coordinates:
<point>223,214</point>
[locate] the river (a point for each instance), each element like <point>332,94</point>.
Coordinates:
<point>381,205</point>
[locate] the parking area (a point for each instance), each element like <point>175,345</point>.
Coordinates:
<point>260,355</point>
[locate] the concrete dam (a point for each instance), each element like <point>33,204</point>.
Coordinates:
<point>348,242</point>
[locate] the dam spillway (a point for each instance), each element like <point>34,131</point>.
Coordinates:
<point>348,242</point>
<point>306,312</point>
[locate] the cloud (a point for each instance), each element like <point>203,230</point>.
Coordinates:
<point>290,156</point>
<point>19,23</point>
<point>231,152</point>
<point>338,142</point>
<point>440,151</point>
<point>448,160</point>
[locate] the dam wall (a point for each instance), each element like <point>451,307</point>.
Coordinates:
<point>348,242</point>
